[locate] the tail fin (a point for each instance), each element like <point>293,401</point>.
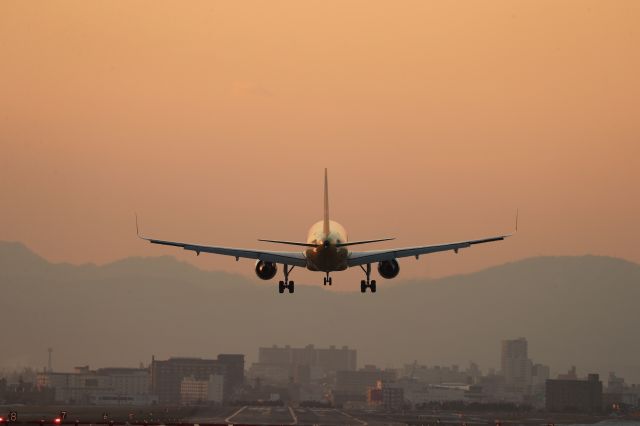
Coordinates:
<point>325,226</point>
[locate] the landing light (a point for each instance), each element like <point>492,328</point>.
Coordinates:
<point>57,420</point>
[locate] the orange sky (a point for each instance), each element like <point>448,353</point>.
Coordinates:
<point>215,120</point>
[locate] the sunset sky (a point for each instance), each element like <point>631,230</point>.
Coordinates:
<point>215,121</point>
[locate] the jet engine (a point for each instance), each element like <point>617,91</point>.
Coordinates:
<point>266,270</point>
<point>388,269</point>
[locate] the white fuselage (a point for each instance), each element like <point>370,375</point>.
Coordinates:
<point>326,256</point>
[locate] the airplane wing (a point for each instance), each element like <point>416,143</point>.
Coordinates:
<point>283,257</point>
<point>364,257</point>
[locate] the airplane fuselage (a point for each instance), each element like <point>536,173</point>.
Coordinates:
<point>325,256</point>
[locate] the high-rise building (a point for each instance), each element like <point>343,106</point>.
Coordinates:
<point>515,364</point>
<point>233,370</point>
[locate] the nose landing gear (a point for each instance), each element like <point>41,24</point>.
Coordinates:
<point>286,284</point>
<point>328,280</point>
<point>368,283</point>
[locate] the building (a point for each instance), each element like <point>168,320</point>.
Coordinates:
<point>415,392</point>
<point>352,386</point>
<point>197,392</point>
<point>363,379</point>
<point>233,371</point>
<point>167,376</point>
<point>492,388</point>
<point>387,397</point>
<point>276,374</point>
<point>374,397</point>
<point>440,374</point>
<point>128,381</point>
<point>193,391</point>
<point>618,394</point>
<point>615,384</point>
<point>104,386</point>
<point>570,375</point>
<point>326,360</point>
<point>515,364</point>
<point>310,393</point>
<point>392,398</point>
<point>215,391</point>
<point>539,375</point>
<point>583,396</point>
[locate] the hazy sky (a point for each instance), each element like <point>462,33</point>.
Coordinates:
<point>214,121</point>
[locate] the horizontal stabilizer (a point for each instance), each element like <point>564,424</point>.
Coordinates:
<point>354,243</point>
<point>290,243</point>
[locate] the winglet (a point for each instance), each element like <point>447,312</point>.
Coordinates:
<point>517,220</point>
<point>138,228</point>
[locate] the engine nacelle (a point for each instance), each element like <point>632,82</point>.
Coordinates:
<point>266,270</point>
<point>389,269</point>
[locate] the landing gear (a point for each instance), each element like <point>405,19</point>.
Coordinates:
<point>286,284</point>
<point>371,284</point>
<point>328,280</point>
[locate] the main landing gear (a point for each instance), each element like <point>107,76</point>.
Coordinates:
<point>371,284</point>
<point>286,284</point>
<point>327,280</point>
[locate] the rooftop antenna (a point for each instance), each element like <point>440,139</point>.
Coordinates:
<point>49,368</point>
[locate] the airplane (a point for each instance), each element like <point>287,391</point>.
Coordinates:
<point>326,250</point>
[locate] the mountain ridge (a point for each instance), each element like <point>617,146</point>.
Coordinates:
<point>574,310</point>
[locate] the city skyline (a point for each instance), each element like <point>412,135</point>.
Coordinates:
<point>261,355</point>
<point>329,376</point>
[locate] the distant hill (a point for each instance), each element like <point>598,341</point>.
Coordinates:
<point>573,310</point>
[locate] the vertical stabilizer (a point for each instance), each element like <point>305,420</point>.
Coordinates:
<point>325,226</point>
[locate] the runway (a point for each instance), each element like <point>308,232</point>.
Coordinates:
<point>295,416</point>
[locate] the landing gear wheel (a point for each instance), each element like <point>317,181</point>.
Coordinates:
<point>330,280</point>
<point>368,282</point>
<point>325,280</point>
<point>286,284</point>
